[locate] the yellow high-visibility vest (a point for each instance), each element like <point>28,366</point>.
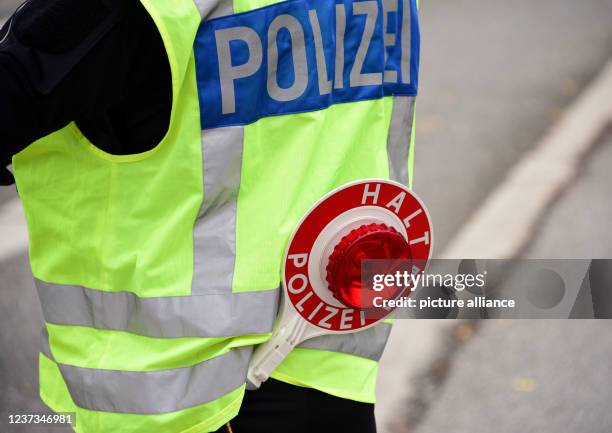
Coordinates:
<point>158,272</point>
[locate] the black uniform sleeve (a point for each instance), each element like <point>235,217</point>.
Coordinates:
<point>40,46</point>
<point>100,63</point>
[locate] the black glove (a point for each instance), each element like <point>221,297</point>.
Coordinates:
<point>6,177</point>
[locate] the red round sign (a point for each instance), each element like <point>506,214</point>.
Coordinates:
<point>374,212</point>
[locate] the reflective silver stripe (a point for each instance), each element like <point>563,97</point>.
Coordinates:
<point>215,228</point>
<point>210,9</point>
<point>400,131</point>
<point>368,344</point>
<point>214,315</point>
<point>155,392</point>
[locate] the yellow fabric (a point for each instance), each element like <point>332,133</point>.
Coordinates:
<point>335,373</point>
<point>303,156</point>
<point>114,350</point>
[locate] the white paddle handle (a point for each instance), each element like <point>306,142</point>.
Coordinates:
<point>270,354</point>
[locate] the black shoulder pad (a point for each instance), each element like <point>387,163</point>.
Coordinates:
<point>6,177</point>
<point>49,37</point>
<point>58,26</point>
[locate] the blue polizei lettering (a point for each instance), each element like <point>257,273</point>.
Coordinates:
<point>304,55</point>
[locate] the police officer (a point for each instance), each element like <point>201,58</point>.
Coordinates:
<point>163,152</point>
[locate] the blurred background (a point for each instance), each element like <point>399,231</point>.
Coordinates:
<point>513,103</point>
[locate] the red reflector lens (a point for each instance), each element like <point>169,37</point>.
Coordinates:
<point>368,242</point>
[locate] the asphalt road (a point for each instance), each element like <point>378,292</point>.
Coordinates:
<point>538,376</point>
<point>541,376</point>
<point>495,75</point>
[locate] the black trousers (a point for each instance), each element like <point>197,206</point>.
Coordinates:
<point>278,407</point>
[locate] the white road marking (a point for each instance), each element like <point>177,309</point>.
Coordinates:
<point>505,221</point>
